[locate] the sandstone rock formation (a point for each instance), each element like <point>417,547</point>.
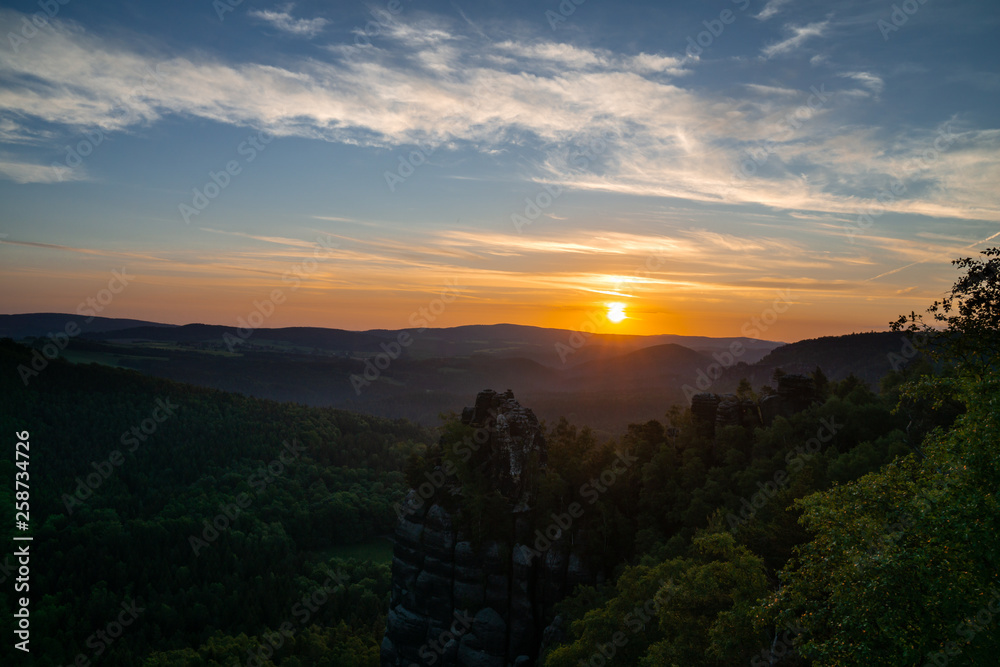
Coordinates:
<point>729,411</point>
<point>514,436</point>
<point>712,411</point>
<point>703,411</point>
<point>454,602</point>
<point>797,392</point>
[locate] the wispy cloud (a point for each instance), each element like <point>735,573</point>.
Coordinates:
<point>30,172</point>
<point>86,251</point>
<point>773,90</point>
<point>562,54</point>
<point>872,82</point>
<point>770,9</point>
<point>798,37</point>
<point>444,87</point>
<point>285,22</point>
<point>278,240</point>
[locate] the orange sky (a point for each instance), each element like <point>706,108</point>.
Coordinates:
<point>541,173</point>
<point>675,292</point>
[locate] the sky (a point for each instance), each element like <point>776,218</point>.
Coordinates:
<point>685,167</point>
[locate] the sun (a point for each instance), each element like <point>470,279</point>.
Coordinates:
<point>616,312</point>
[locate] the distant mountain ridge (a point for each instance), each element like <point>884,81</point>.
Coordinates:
<point>42,324</point>
<point>868,356</point>
<point>605,380</point>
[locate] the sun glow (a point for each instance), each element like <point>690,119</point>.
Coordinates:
<point>616,312</point>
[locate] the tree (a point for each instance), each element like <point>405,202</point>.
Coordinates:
<point>970,315</point>
<point>692,610</point>
<point>904,557</point>
<point>821,383</point>
<point>904,568</point>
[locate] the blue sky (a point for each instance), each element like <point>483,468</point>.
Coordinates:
<point>688,159</point>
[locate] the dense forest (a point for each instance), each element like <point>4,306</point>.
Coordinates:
<point>212,512</point>
<point>859,530</point>
<point>878,548</point>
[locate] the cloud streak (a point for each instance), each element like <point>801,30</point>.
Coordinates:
<point>439,86</point>
<point>800,34</point>
<point>22,172</point>
<point>771,9</point>
<point>285,22</point>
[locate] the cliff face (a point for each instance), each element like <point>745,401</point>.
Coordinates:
<point>458,603</point>
<point>514,439</point>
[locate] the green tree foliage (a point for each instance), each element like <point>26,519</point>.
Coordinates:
<point>821,383</point>
<point>969,315</point>
<point>688,610</point>
<point>350,626</point>
<point>695,525</point>
<point>903,560</point>
<point>903,566</point>
<point>861,530</point>
<point>130,536</point>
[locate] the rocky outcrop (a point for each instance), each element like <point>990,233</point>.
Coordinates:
<point>770,407</point>
<point>703,413</point>
<point>455,602</point>
<point>515,439</point>
<point>796,392</point>
<point>712,411</point>
<point>729,411</point>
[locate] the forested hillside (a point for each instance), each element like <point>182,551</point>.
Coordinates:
<point>866,534</point>
<point>214,513</point>
<point>859,529</point>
